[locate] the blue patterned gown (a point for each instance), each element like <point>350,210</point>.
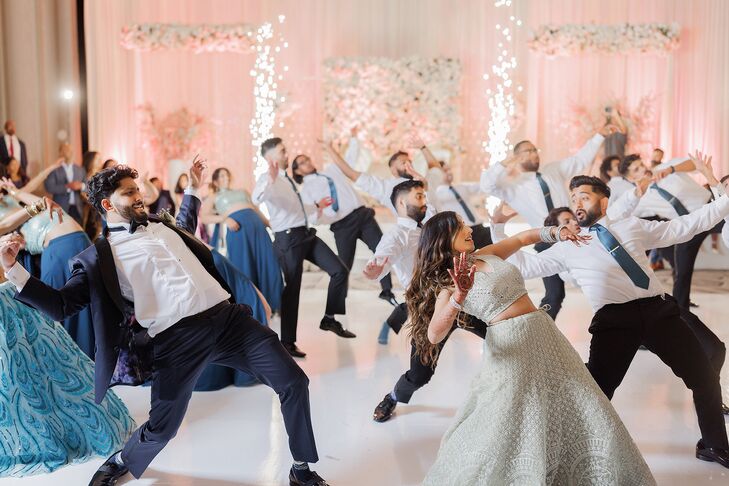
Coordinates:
<point>48,417</point>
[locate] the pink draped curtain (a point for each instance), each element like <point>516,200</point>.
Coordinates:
<point>692,85</point>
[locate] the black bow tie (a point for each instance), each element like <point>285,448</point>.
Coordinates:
<point>133,225</point>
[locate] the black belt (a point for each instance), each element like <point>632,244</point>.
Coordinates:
<point>298,229</point>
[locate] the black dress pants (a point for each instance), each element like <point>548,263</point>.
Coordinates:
<point>619,329</point>
<point>683,267</point>
<point>360,224</point>
<point>420,374</point>
<point>292,248</point>
<point>554,292</point>
<point>225,335</point>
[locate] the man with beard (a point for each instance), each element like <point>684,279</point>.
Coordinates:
<point>397,251</point>
<point>294,242</point>
<point>161,311</point>
<point>630,306</point>
<point>401,168</point>
<point>534,192</point>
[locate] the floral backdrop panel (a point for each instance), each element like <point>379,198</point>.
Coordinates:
<point>389,100</point>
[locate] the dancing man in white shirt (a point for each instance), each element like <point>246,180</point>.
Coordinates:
<point>457,197</point>
<point>294,242</point>
<point>675,193</point>
<point>349,219</point>
<point>396,252</point>
<point>534,192</point>
<point>401,168</point>
<point>630,306</point>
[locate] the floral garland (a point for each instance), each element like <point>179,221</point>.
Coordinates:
<point>574,39</point>
<point>240,38</point>
<point>580,122</point>
<point>174,136</point>
<point>389,100</point>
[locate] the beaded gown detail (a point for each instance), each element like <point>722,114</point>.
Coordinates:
<point>48,416</point>
<point>534,415</point>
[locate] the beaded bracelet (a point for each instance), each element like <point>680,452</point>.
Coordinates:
<point>546,235</point>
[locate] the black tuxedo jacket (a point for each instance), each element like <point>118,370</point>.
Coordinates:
<point>94,281</point>
<point>5,153</point>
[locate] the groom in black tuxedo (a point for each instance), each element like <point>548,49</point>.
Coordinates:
<point>162,311</point>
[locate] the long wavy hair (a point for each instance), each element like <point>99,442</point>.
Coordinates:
<point>434,258</point>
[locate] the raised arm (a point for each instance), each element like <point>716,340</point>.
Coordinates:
<point>342,164</point>
<point>58,304</point>
<point>495,177</point>
<point>35,183</point>
<point>190,207</point>
<point>418,143</point>
<point>450,301</point>
<point>581,162</point>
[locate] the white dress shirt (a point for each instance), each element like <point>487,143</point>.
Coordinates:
<point>158,273</point>
<point>681,185</point>
<point>284,205</point>
<point>15,142</point>
<point>598,274</point>
<point>619,185</point>
<point>316,187</point>
<point>400,246</point>
<point>446,200</point>
<point>523,192</point>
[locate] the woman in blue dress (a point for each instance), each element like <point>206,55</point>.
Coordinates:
<point>248,244</point>
<point>48,416</point>
<point>56,242</point>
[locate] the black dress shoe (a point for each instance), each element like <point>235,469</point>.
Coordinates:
<point>329,324</point>
<point>712,454</point>
<point>385,409</point>
<point>109,473</point>
<point>389,297</point>
<point>724,409</point>
<point>293,350</point>
<point>314,480</point>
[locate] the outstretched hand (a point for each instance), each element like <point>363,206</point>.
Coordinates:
<point>463,274</point>
<point>374,268</point>
<point>502,213</point>
<point>10,245</point>
<point>567,234</point>
<point>703,164</point>
<point>197,171</point>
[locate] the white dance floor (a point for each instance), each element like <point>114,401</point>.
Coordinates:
<point>236,436</point>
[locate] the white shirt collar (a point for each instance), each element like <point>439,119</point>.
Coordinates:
<point>409,223</point>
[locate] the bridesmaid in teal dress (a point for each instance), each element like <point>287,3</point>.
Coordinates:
<point>56,242</point>
<point>248,244</point>
<point>48,417</point>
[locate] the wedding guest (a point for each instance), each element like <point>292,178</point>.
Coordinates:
<point>179,190</point>
<point>14,171</point>
<point>397,252</point>
<point>349,219</point>
<point>675,193</point>
<point>534,193</point>
<point>13,147</point>
<point>248,244</point>
<point>616,141</point>
<point>92,224</point>
<point>656,157</point>
<point>164,200</point>
<point>630,306</point>
<point>57,241</point>
<point>532,388</point>
<point>186,317</point>
<point>295,241</point>
<point>457,198</point>
<point>401,168</point>
<point>49,415</point>
<point>66,183</point>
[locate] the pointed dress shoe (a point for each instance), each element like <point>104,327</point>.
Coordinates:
<point>313,480</point>
<point>712,454</point>
<point>109,473</point>
<point>293,350</point>
<point>388,297</point>
<point>329,324</point>
<point>384,409</point>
